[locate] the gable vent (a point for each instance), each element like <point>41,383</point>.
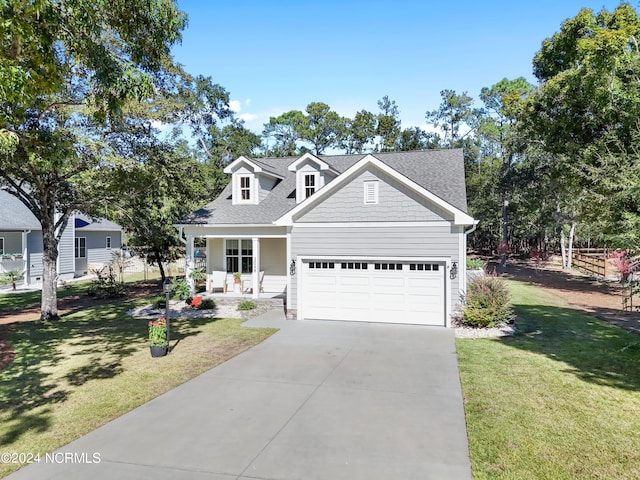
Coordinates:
<point>371,192</point>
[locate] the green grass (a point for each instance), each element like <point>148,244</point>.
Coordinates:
<point>559,400</point>
<point>75,374</point>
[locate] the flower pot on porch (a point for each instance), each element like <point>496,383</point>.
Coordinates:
<point>159,350</point>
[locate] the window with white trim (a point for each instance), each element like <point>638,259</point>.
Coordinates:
<point>309,184</point>
<point>239,255</point>
<point>108,243</point>
<point>1,245</point>
<point>81,247</point>
<point>371,192</point>
<point>245,188</point>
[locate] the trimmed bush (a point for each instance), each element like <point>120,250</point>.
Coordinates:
<point>207,304</point>
<point>247,305</point>
<point>487,303</point>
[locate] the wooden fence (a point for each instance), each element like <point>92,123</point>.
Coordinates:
<point>593,260</point>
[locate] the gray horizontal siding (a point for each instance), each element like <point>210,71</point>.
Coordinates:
<point>377,241</point>
<point>66,265</point>
<point>396,203</point>
<point>12,242</point>
<point>97,251</point>
<point>34,256</point>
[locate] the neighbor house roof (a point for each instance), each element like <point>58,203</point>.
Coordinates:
<point>441,172</point>
<point>14,215</point>
<point>86,223</point>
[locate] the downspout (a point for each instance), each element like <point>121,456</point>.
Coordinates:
<point>466,233</point>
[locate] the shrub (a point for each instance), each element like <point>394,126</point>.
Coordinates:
<point>207,304</point>
<point>247,305</point>
<point>475,264</point>
<point>487,303</point>
<point>106,285</point>
<point>159,303</point>
<point>195,301</point>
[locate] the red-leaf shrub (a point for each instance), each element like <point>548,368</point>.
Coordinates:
<point>487,303</point>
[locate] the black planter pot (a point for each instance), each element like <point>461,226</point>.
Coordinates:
<point>159,351</point>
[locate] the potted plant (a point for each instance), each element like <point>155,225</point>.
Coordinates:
<point>158,337</point>
<point>236,277</point>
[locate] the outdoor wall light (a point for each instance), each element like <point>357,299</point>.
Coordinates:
<point>454,270</point>
<point>292,268</point>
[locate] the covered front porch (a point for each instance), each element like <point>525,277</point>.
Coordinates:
<point>239,263</point>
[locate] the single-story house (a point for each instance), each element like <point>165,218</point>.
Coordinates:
<point>373,237</point>
<point>86,243</point>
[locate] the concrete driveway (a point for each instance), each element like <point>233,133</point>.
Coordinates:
<point>317,400</point>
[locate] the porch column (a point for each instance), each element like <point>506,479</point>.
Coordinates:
<point>24,256</point>
<point>188,265</point>
<point>256,267</point>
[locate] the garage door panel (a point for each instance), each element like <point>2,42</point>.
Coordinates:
<point>401,295</point>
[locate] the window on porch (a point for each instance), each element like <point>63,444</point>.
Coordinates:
<point>239,256</point>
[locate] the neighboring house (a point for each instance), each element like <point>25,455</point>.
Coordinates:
<point>378,237</point>
<point>85,243</point>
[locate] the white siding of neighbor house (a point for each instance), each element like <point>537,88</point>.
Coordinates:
<point>396,203</point>
<point>378,241</point>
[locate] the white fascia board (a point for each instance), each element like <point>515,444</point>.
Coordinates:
<point>460,217</point>
<point>324,166</point>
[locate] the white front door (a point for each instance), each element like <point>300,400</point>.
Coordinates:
<point>374,291</point>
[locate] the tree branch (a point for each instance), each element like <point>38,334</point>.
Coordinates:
<point>57,104</point>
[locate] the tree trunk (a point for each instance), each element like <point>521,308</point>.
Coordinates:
<point>163,276</point>
<point>563,248</point>
<point>505,233</point>
<point>572,232</point>
<point>49,304</point>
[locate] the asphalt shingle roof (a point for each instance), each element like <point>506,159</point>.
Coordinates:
<point>439,171</point>
<point>14,215</point>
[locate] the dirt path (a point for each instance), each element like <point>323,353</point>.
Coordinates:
<point>592,295</point>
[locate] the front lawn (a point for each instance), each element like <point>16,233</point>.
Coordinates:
<point>73,375</point>
<point>559,400</point>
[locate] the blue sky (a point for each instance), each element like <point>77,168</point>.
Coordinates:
<point>275,56</point>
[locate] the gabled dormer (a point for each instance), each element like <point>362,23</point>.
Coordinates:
<point>251,180</point>
<point>312,173</point>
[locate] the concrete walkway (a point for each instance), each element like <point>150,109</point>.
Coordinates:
<point>317,400</point>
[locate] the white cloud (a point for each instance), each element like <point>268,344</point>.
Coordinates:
<point>235,105</point>
<point>248,117</point>
<point>247,102</point>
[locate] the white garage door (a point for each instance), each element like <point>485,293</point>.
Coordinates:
<point>374,291</point>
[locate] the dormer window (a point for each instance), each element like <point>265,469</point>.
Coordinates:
<point>245,187</point>
<point>309,184</point>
